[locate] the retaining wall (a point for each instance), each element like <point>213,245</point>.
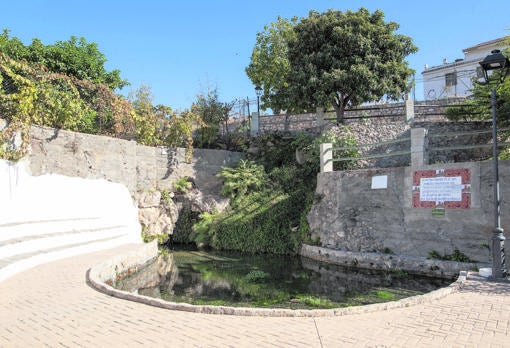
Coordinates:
<point>348,214</point>
<point>137,166</point>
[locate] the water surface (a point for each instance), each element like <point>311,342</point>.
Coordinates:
<point>232,279</point>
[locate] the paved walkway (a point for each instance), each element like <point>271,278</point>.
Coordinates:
<point>51,306</point>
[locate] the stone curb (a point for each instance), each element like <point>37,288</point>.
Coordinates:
<point>389,262</point>
<point>99,276</point>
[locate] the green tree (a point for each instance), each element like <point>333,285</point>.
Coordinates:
<point>211,111</point>
<point>12,47</point>
<point>341,59</point>
<point>269,66</point>
<point>160,125</point>
<point>146,121</point>
<point>347,58</point>
<point>74,57</point>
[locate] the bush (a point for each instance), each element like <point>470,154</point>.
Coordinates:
<point>270,195</point>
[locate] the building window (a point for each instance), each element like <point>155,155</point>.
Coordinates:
<point>479,73</point>
<point>451,79</point>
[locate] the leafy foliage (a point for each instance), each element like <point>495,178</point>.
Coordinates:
<point>338,137</point>
<point>183,185</point>
<point>457,256</point>
<point>212,112</point>
<point>346,58</point>
<point>270,196</point>
<point>30,94</point>
<point>333,58</point>
<point>478,106</point>
<point>269,67</point>
<point>247,177</point>
<point>74,58</point>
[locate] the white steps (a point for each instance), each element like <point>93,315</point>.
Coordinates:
<point>49,217</point>
<point>27,244</point>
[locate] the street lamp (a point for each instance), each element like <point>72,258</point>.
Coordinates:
<point>258,91</point>
<point>496,61</point>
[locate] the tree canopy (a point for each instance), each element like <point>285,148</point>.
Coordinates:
<point>335,58</point>
<point>212,112</point>
<point>270,66</point>
<point>75,57</point>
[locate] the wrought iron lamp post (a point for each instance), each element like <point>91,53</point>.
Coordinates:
<point>496,61</point>
<point>258,91</point>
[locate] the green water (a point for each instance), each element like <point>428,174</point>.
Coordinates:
<point>231,279</point>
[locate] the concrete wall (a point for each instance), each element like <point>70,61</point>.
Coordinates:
<point>348,215</point>
<point>136,166</point>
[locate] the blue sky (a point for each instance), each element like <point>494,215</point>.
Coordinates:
<point>180,48</point>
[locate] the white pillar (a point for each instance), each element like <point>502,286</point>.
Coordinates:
<point>326,153</point>
<point>409,103</point>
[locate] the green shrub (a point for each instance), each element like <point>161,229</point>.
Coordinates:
<point>183,228</point>
<point>246,178</point>
<point>270,197</point>
<point>183,185</point>
<point>457,256</point>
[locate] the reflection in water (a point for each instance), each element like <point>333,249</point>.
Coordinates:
<point>269,281</point>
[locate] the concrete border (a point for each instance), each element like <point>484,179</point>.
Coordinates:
<point>389,262</point>
<point>100,276</point>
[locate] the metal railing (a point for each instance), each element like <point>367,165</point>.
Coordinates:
<point>373,145</point>
<point>467,146</point>
<point>419,150</point>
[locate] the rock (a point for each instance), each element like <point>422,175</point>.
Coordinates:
<point>148,215</point>
<point>147,199</point>
<point>253,150</point>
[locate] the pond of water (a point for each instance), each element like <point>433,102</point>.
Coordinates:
<point>232,279</point>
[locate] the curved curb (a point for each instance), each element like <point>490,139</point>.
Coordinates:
<point>95,278</point>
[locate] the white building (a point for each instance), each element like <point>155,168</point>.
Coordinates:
<point>455,79</point>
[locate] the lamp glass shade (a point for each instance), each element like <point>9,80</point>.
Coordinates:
<point>494,61</point>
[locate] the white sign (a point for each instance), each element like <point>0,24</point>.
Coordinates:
<point>379,182</point>
<point>441,189</point>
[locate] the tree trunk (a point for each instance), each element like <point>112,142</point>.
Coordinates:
<point>339,110</point>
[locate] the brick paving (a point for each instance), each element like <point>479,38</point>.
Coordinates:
<point>52,306</point>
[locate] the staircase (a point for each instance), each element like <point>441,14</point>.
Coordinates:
<point>51,217</point>
<point>26,244</point>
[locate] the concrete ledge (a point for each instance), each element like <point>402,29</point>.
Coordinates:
<point>389,262</point>
<point>100,277</point>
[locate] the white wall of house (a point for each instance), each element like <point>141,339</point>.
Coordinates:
<point>455,79</point>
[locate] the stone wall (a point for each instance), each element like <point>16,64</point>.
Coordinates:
<point>348,215</point>
<point>137,166</point>
<point>146,171</point>
<point>371,132</point>
<point>422,111</point>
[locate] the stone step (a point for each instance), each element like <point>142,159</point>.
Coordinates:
<point>26,244</point>
<point>10,232</point>
<point>10,266</point>
<point>30,244</point>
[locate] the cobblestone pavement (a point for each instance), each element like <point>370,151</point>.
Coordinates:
<point>52,306</point>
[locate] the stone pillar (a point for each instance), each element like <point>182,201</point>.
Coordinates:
<point>319,117</point>
<point>419,155</point>
<point>254,130</point>
<point>326,153</point>
<point>409,103</point>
